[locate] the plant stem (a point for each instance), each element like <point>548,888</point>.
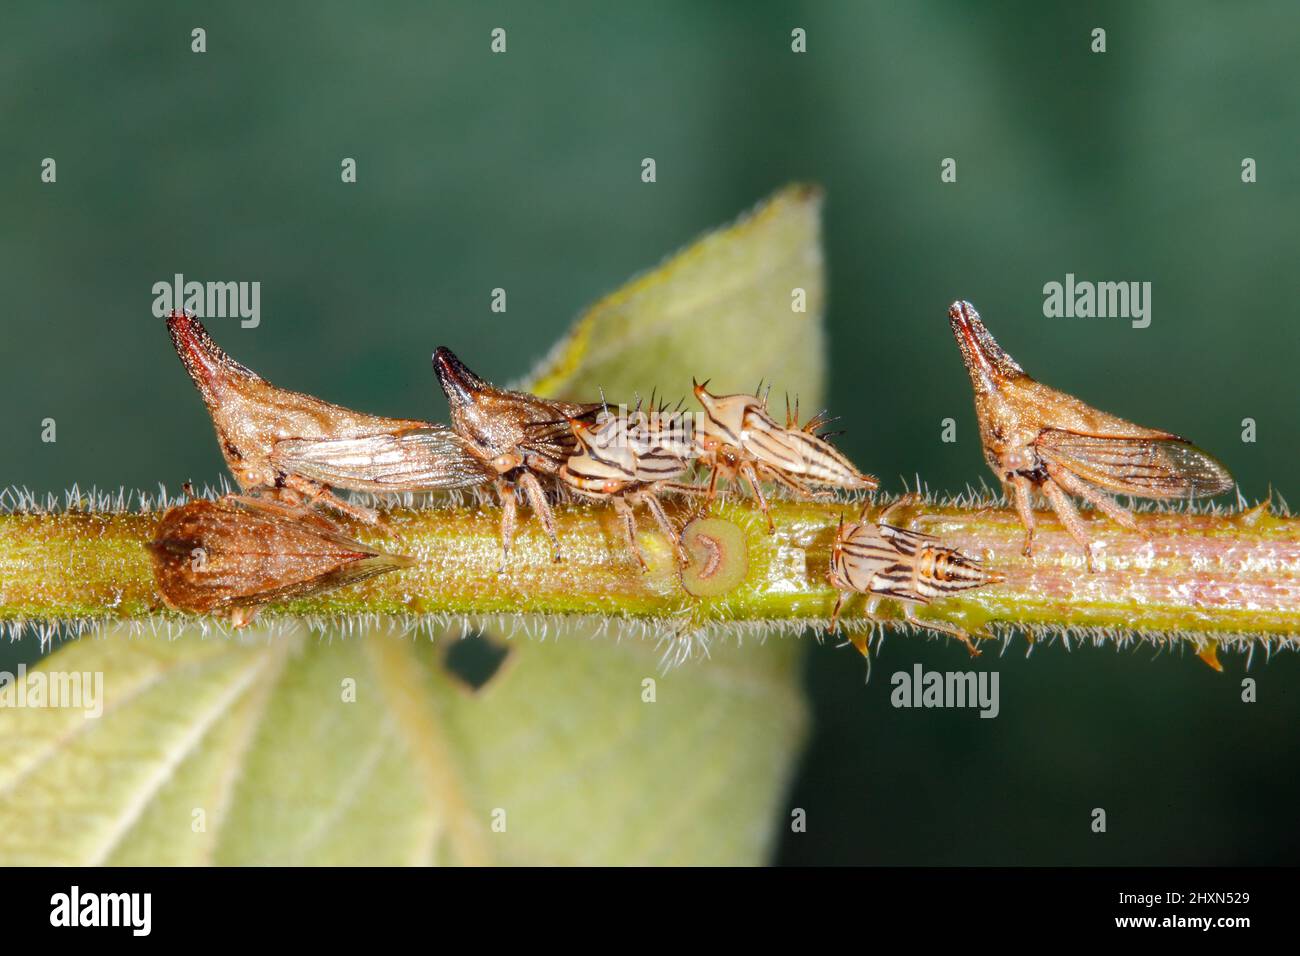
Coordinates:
<point>1204,576</point>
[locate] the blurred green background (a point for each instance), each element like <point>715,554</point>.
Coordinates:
<point>522,171</point>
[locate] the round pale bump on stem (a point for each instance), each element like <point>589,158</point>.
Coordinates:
<point>719,557</point>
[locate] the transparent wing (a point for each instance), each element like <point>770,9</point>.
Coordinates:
<point>1144,467</point>
<point>424,459</point>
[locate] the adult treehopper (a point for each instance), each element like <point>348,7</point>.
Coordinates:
<point>1038,439</point>
<point>235,554</point>
<point>294,447</point>
<point>516,436</point>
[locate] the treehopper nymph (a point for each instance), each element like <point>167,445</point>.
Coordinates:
<point>236,554</point>
<point>886,562</point>
<point>738,438</point>
<point>294,448</point>
<point>517,436</point>
<point>1038,439</point>
<point>631,460</point>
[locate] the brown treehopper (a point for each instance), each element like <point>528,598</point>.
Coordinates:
<point>294,447</point>
<point>517,435</point>
<point>236,554</point>
<point>883,561</point>
<point>1038,439</point>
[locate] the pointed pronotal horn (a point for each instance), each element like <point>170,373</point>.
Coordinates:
<point>979,350</point>
<point>457,381</point>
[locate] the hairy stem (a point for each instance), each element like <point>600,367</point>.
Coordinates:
<point>1206,576</point>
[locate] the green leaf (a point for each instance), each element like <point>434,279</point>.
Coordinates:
<point>722,308</point>
<point>257,744</point>
<point>246,750</point>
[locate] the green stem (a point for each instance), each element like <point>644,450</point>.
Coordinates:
<point>1204,576</point>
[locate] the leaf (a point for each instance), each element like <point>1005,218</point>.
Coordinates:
<point>720,309</point>
<point>258,739</point>
<point>252,736</point>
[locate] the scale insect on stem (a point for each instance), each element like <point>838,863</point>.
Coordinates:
<point>1038,439</point>
<point>883,561</point>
